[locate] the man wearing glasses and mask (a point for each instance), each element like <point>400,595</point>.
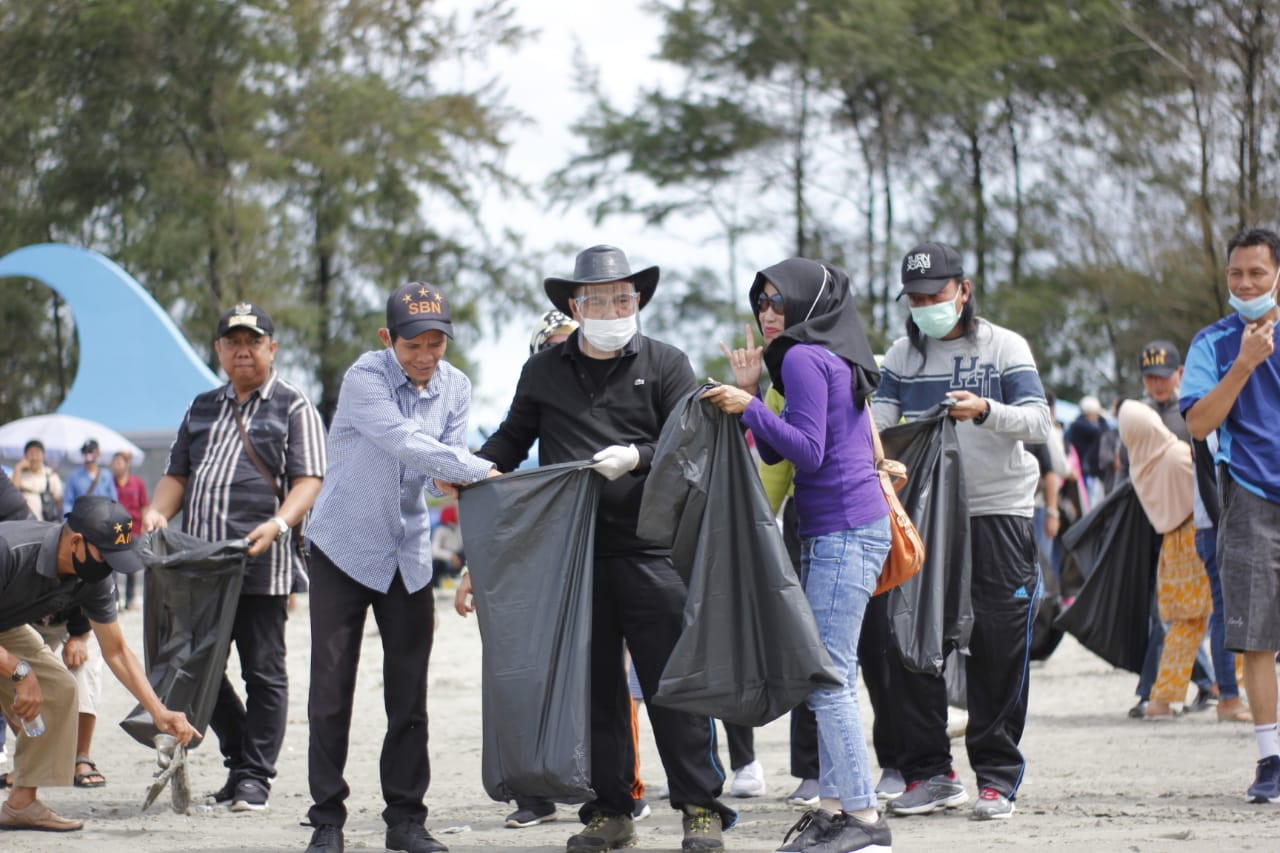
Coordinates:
<point>604,395</point>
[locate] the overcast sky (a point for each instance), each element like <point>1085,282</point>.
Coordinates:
<point>618,39</point>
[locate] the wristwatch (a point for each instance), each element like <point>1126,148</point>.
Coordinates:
<point>283,525</point>
<point>986,413</point>
<point>21,671</point>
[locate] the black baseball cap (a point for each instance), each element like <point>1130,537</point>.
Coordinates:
<point>90,446</point>
<point>1160,358</point>
<point>107,526</point>
<point>418,307</point>
<point>928,267</point>
<point>246,315</point>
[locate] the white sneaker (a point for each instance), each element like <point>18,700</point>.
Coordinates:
<point>748,781</point>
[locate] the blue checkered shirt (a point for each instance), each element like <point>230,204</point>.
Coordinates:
<point>387,442</point>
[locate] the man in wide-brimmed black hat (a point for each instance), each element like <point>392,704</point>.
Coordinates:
<point>604,394</point>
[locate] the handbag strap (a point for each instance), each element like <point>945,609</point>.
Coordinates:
<point>253,454</point>
<point>875,436</point>
<point>299,542</point>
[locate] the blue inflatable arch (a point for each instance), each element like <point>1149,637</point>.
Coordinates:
<point>125,336</point>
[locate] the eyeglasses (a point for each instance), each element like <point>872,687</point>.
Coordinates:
<point>599,304</point>
<point>774,301</point>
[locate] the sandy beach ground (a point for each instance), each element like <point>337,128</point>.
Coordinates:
<point>1096,780</point>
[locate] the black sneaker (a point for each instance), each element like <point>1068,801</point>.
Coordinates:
<point>326,839</point>
<point>812,826</point>
<point>1266,785</point>
<point>848,834</point>
<point>251,796</point>
<point>532,814</point>
<point>224,795</point>
<point>412,837</point>
<point>604,832</point>
<point>1203,701</point>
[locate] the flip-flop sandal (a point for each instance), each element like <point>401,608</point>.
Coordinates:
<point>92,779</point>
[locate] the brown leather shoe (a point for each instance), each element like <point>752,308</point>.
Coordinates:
<point>38,817</point>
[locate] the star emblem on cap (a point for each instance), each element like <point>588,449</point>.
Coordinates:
<point>130,524</point>
<point>422,291</point>
<point>119,527</point>
<point>406,299</point>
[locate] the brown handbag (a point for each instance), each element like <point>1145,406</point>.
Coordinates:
<point>906,550</point>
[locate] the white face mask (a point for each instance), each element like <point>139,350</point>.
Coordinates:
<point>609,335</point>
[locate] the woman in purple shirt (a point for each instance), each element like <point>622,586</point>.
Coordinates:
<point>819,359</point>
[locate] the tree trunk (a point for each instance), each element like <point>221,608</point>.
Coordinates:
<point>890,262</point>
<point>1204,202</point>
<point>215,294</point>
<point>327,377</point>
<point>798,166</point>
<point>979,208</point>
<point>1015,247</point>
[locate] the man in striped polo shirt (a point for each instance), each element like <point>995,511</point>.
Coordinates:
<point>229,440</point>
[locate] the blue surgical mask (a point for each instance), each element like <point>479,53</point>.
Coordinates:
<point>938,320</point>
<point>1257,307</point>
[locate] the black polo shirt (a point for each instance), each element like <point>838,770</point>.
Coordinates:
<point>30,587</point>
<point>574,405</point>
<point>226,497</point>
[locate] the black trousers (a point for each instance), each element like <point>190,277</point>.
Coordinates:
<point>742,745</point>
<point>405,621</point>
<point>881,673</point>
<point>640,597</point>
<point>250,733</point>
<point>1005,589</point>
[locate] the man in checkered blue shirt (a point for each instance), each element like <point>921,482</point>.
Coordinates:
<point>399,429</point>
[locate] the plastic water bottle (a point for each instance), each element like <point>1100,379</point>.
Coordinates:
<point>33,727</point>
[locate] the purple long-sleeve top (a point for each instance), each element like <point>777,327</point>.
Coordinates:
<point>826,438</point>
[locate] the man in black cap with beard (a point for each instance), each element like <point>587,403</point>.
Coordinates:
<point>604,394</point>
<point>47,567</point>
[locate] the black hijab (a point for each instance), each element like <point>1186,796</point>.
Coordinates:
<point>818,309</point>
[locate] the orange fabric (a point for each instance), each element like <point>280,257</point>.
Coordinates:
<point>1182,586</point>
<point>1183,596</point>
<point>1180,644</point>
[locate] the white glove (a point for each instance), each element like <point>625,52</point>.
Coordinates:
<point>616,460</point>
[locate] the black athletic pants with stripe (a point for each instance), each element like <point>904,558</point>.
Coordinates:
<point>1005,590</point>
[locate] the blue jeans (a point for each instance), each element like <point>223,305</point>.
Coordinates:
<point>839,571</point>
<point>1224,662</point>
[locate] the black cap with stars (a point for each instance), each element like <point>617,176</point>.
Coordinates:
<point>107,526</point>
<point>418,307</point>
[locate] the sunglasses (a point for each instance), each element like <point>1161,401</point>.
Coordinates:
<point>774,301</point>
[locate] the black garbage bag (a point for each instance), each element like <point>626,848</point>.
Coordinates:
<point>192,588</point>
<point>530,540</point>
<point>932,613</point>
<point>749,651</point>
<point>1116,550</point>
<point>1045,636</point>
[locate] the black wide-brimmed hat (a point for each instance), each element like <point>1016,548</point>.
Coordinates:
<point>600,265</point>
